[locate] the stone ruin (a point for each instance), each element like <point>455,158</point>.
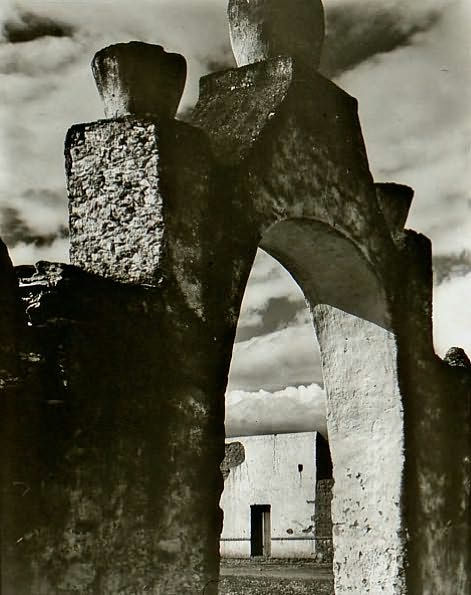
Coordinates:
<point>114,367</point>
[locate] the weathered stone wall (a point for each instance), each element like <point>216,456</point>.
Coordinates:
<point>437,413</point>
<point>92,506</point>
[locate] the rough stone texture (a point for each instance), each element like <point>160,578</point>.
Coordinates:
<point>456,356</point>
<point>262,29</point>
<point>139,78</point>
<point>234,456</point>
<point>119,172</point>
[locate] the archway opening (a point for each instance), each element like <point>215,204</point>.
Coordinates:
<point>275,427</point>
<point>349,309</point>
<point>275,382</point>
<point>351,315</point>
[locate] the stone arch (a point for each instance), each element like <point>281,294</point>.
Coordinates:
<point>276,148</point>
<point>364,410</point>
<point>165,219</point>
<point>328,267</point>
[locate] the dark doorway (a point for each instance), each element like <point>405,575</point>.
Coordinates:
<point>260,530</point>
<point>323,458</point>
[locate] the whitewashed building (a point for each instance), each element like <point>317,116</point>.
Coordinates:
<point>269,498</point>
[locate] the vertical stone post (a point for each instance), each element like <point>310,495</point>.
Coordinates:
<point>365,423</point>
<point>141,202</point>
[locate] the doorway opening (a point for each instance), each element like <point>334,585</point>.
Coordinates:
<point>275,406</point>
<point>260,530</point>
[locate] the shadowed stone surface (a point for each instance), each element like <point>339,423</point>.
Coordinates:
<point>89,508</point>
<point>323,521</point>
<point>139,78</point>
<point>395,201</point>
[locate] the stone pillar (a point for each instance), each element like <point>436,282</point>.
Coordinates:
<point>323,502</point>
<point>140,190</point>
<point>437,405</point>
<point>366,437</point>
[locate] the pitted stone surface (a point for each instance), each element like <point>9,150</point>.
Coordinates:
<point>115,199</point>
<point>456,356</point>
<point>365,419</point>
<point>263,29</point>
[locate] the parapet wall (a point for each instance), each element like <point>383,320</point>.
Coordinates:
<point>92,430</point>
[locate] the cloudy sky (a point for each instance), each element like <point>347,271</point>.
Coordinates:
<point>408,63</point>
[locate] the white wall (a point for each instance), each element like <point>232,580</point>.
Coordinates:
<point>269,475</point>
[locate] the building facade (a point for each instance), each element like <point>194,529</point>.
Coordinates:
<point>269,498</point>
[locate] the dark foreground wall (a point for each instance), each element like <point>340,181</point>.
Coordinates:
<point>110,450</point>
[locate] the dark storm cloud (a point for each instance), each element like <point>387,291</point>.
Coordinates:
<point>355,33</point>
<point>14,230</point>
<point>447,266</point>
<point>278,309</point>
<point>29,27</point>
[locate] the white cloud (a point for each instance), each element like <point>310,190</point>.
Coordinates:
<point>292,409</point>
<point>29,253</point>
<point>452,314</point>
<point>282,358</point>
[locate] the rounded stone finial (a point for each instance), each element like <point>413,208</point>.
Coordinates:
<point>139,78</point>
<point>263,29</point>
